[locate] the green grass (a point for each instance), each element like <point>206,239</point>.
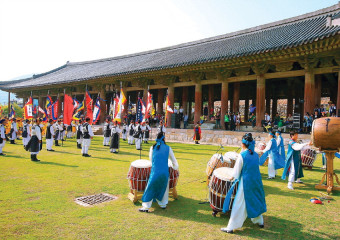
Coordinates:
<point>36,199</point>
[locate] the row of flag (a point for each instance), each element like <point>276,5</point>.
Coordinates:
<point>73,109</point>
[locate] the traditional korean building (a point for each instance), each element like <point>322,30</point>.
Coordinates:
<point>295,59</point>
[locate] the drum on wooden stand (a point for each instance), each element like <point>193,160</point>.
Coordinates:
<point>230,158</point>
<point>219,187</point>
<point>214,163</point>
<point>139,174</point>
<point>308,157</point>
<point>173,175</point>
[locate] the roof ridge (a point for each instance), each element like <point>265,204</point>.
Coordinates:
<point>51,71</point>
<point>310,15</point>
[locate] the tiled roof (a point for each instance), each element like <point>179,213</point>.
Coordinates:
<point>270,37</point>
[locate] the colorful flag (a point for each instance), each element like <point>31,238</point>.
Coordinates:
<point>48,106</point>
<point>148,107</point>
<point>168,109</point>
<point>88,104</point>
<point>12,113</point>
<point>120,107</point>
<point>68,109</point>
<point>44,113</point>
<point>54,110</point>
<point>77,114</point>
<point>139,114</point>
<point>96,111</point>
<point>75,103</point>
<point>28,109</point>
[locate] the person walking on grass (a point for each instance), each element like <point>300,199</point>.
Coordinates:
<point>35,143</point>
<point>87,136</point>
<point>49,135</point>
<point>197,133</point>
<point>250,198</point>
<point>2,136</point>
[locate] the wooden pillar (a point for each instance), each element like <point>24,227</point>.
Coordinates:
<point>309,98</point>
<point>318,87</point>
<point>198,102</point>
<point>274,108</point>
<point>160,100</point>
<point>246,110</point>
<point>185,99</point>
<point>338,96</point>
<point>268,105</point>
<point>290,105</point>
<point>260,99</point>
<point>210,98</point>
<point>171,95</point>
<point>224,101</point>
<point>9,103</point>
<point>236,97</point>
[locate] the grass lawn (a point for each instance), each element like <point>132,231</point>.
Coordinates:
<point>37,199</point>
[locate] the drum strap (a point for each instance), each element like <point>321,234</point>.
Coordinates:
<point>228,197</point>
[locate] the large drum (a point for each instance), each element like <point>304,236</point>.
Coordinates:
<point>308,157</point>
<point>326,133</point>
<point>230,158</point>
<point>219,187</point>
<point>216,161</point>
<point>173,175</point>
<point>139,174</point>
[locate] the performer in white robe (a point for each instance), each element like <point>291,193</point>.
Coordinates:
<point>57,129</point>
<point>35,144</point>
<point>49,135</point>
<point>125,131</point>
<point>26,132</point>
<point>131,130</point>
<point>14,131</point>
<point>157,184</point>
<point>87,136</point>
<point>115,136</point>
<point>146,134</point>
<point>250,198</point>
<point>138,134</point>
<point>2,136</point>
<point>107,132</point>
<point>79,131</point>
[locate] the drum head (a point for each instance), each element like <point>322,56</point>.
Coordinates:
<point>141,163</point>
<point>223,173</point>
<point>230,156</point>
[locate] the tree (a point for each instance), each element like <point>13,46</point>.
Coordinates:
<point>18,110</point>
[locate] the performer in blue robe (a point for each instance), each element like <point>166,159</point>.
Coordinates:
<point>293,165</point>
<point>275,161</point>
<point>158,184</point>
<point>250,198</point>
<point>280,145</point>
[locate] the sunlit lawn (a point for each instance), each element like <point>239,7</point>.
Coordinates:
<point>37,199</point>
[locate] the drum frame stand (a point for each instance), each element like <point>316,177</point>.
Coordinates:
<point>329,174</point>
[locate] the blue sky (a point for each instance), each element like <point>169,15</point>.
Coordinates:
<point>38,35</point>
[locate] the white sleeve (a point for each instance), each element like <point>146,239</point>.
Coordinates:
<point>299,146</point>
<point>52,130</point>
<point>278,141</point>
<point>238,167</point>
<point>119,130</point>
<point>90,131</point>
<point>38,133</point>
<point>269,145</point>
<point>164,129</point>
<point>173,159</point>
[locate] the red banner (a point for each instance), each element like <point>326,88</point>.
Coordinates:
<point>68,109</point>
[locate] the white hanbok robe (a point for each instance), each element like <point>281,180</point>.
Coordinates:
<point>37,132</point>
<point>239,212</point>
<point>28,138</point>
<point>165,199</point>
<point>3,136</point>
<point>296,147</point>
<point>271,167</point>
<point>15,130</point>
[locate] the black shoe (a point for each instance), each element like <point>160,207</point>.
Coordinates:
<point>83,154</point>
<point>51,150</point>
<point>86,155</point>
<point>270,177</point>
<point>261,225</point>
<point>34,158</point>
<point>12,142</point>
<point>115,152</point>
<point>2,154</point>
<point>227,231</point>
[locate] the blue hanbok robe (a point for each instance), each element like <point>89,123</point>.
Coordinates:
<point>293,155</point>
<point>251,179</point>
<point>159,175</point>
<point>281,149</point>
<point>337,154</point>
<point>274,154</point>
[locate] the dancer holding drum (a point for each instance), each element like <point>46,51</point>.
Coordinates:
<point>158,184</point>
<point>250,198</point>
<point>274,162</point>
<point>293,166</point>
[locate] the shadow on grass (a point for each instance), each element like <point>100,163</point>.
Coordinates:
<point>110,159</point>
<point>56,164</point>
<point>269,190</point>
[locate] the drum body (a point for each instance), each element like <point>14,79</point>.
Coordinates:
<point>219,187</point>
<point>139,174</point>
<point>230,158</point>
<point>308,157</point>
<point>215,162</point>
<point>173,175</point>
<point>326,133</point>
